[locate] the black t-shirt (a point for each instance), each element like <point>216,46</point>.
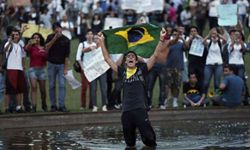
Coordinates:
<point>134,92</point>
<point>192,90</point>
<point>59,50</point>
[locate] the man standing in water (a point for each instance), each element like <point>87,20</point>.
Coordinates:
<point>134,110</point>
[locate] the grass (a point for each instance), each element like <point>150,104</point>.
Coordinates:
<point>72,100</point>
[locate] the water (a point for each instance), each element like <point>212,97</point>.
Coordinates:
<point>181,135</point>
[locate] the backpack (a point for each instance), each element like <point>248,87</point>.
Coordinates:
<point>3,57</point>
<point>76,65</point>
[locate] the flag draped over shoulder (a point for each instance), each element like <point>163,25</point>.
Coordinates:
<point>142,39</point>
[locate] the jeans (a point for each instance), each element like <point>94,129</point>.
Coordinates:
<point>56,71</point>
<point>210,70</point>
<point>103,85</point>
<point>240,70</point>
<point>151,78</point>
<point>2,86</point>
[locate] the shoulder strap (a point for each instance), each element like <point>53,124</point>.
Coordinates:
<point>82,54</point>
<point>8,49</point>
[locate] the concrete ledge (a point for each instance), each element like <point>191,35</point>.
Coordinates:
<point>35,120</point>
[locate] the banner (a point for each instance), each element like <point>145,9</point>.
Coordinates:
<point>143,5</point>
<point>142,39</point>
<point>112,22</point>
<point>32,28</point>
<point>227,15</point>
<point>18,3</point>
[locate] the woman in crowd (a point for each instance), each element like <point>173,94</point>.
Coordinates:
<point>37,70</point>
<point>214,59</point>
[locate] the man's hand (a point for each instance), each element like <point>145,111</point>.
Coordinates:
<point>57,35</point>
<point>65,72</point>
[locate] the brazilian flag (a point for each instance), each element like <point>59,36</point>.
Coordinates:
<point>142,39</point>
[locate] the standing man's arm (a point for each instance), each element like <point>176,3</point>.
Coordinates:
<point>49,44</point>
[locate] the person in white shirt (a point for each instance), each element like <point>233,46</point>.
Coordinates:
<point>83,47</point>
<point>213,13</point>
<point>186,18</point>
<point>15,79</point>
<point>236,50</point>
<point>214,61</point>
<point>242,9</point>
<point>67,27</point>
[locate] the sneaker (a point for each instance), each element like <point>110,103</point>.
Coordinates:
<point>94,109</point>
<point>175,104</point>
<point>53,109</point>
<point>81,108</point>
<point>44,108</point>
<point>19,109</point>
<point>166,102</point>
<point>184,106</point>
<point>117,106</point>
<point>162,107</point>
<point>104,108</point>
<point>33,108</point>
<point>27,108</point>
<point>63,109</point>
<point>204,105</point>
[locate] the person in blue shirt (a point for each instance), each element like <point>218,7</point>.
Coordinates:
<point>232,89</point>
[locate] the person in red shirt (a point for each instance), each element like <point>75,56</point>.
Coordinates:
<point>37,70</point>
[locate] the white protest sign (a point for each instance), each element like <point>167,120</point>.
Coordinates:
<point>112,22</point>
<point>72,80</point>
<point>197,47</point>
<point>94,64</point>
<point>227,15</point>
<point>143,5</point>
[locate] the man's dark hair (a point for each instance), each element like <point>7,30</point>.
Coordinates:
<point>191,73</point>
<point>194,27</point>
<point>55,25</point>
<point>174,30</point>
<point>89,30</point>
<point>136,57</point>
<point>16,30</point>
<point>231,31</point>
<point>230,67</point>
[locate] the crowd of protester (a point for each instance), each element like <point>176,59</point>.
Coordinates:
<point>224,51</point>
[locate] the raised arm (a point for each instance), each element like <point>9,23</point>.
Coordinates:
<point>105,53</point>
<point>161,50</point>
<point>51,42</point>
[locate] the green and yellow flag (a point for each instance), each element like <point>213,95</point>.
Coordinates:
<point>142,39</point>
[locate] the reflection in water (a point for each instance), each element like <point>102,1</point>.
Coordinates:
<point>208,135</point>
